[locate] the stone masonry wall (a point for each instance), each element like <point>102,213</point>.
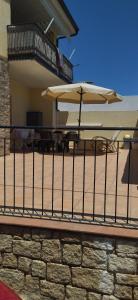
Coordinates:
<point>42,264</point>
<point>4,103</point>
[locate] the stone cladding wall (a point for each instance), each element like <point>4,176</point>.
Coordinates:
<point>45,264</point>
<point>4,104</point>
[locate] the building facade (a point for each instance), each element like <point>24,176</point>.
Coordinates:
<point>30,59</point>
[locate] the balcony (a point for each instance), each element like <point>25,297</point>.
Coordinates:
<point>27,42</point>
<point>71,179</point>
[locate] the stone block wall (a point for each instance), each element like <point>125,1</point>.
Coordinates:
<point>4,104</point>
<point>45,264</point>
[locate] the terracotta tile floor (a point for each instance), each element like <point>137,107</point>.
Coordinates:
<point>66,196</point>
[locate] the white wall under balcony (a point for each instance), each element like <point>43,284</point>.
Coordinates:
<point>38,103</point>
<point>24,99</point>
<point>20,103</point>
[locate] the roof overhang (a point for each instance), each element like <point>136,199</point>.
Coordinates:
<point>42,11</point>
<point>59,10</point>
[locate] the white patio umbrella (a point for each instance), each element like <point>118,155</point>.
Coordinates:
<point>82,93</point>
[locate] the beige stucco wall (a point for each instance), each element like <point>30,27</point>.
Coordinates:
<point>24,99</point>
<point>20,99</point>
<point>38,103</point>
<point>5,19</point>
<point>108,118</point>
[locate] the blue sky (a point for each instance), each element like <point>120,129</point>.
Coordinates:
<point>107,43</point>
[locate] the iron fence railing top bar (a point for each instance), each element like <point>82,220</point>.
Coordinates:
<point>66,127</point>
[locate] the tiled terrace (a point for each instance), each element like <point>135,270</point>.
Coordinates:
<point>53,190</point>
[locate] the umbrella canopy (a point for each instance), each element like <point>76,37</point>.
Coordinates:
<point>82,93</point>
<point>6,293</point>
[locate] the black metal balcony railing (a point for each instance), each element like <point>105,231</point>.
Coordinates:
<point>28,41</point>
<point>57,175</point>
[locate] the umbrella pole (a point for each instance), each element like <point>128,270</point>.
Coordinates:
<point>80,110</point>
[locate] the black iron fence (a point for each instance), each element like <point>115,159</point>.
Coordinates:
<point>64,174</point>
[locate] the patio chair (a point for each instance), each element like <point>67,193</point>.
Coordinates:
<point>22,139</point>
<point>104,144</point>
<point>70,138</point>
<point>46,141</point>
<point>58,137</point>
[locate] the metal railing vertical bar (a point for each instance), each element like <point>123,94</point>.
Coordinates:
<point>73,177</point>
<point>63,167</point>
<point>33,179</point>
<point>94,180</point>
<point>128,181</point>
<point>53,176</point>
<point>23,178</point>
<point>14,176</point>
<point>105,182</point>
<point>43,175</point>
<point>84,170</point>
<point>116,186</point>
<point>4,171</point>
